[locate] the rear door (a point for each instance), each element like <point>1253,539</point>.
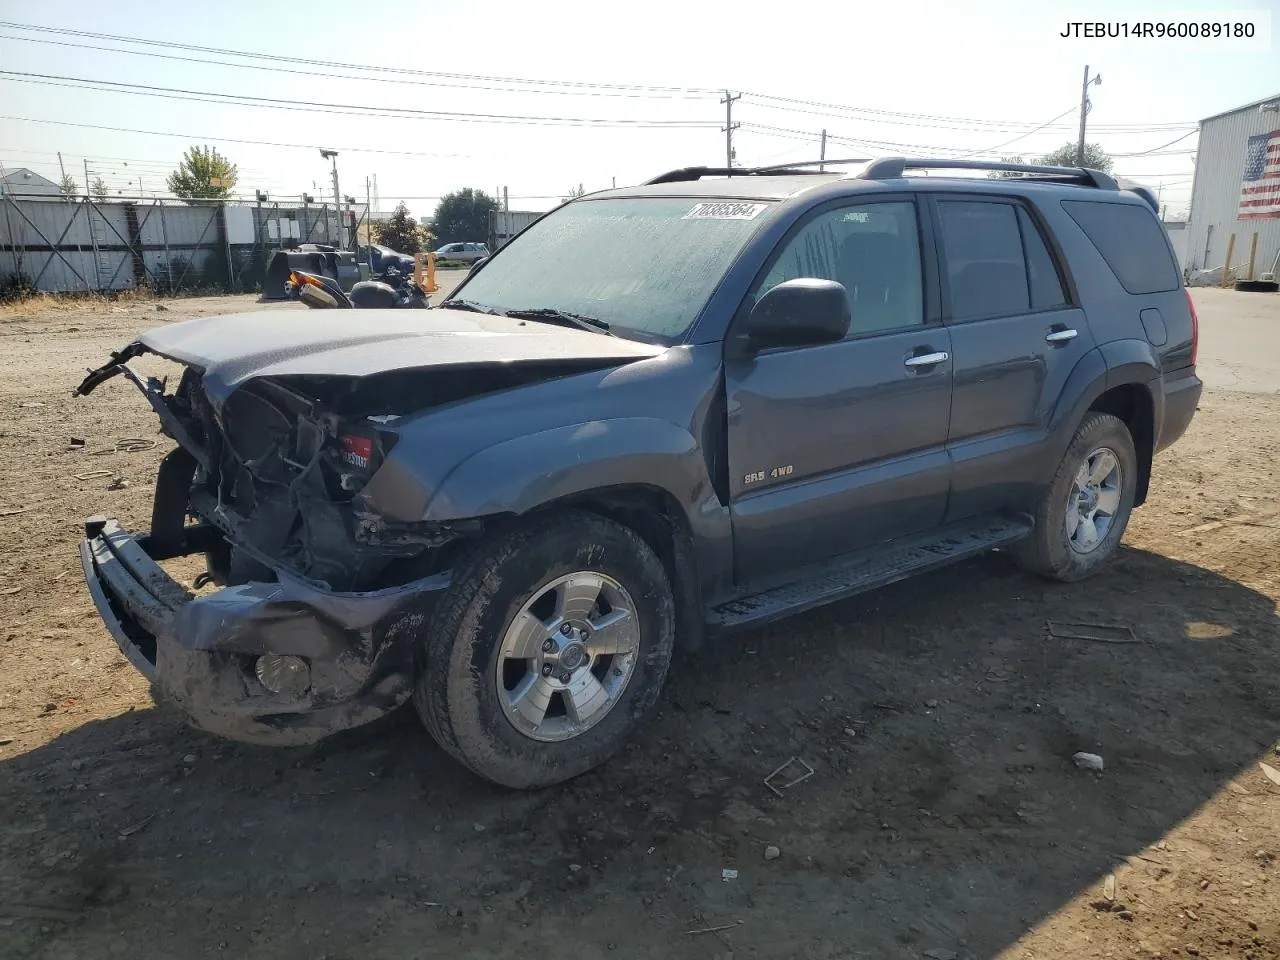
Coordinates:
<point>839,445</point>
<point>1015,335</point>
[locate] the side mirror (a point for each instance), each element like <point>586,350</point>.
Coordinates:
<point>800,312</point>
<point>476,266</point>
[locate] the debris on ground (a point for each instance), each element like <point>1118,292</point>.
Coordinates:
<point>1109,886</point>
<point>720,928</point>
<point>118,483</point>
<point>931,704</point>
<point>728,874</point>
<point>133,828</point>
<point>93,474</point>
<point>939,953</point>
<point>808,772</point>
<point>76,442</point>
<point>771,852</point>
<point>1098,632</point>
<point>31,403</point>
<point>1088,761</point>
<point>1271,773</point>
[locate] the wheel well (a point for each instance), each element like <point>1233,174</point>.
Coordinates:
<point>656,516</point>
<point>1131,402</point>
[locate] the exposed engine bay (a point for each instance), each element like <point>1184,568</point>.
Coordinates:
<point>279,466</point>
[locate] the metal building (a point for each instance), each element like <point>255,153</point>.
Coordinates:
<point>1237,190</point>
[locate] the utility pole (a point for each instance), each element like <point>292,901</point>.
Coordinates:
<point>337,197</point>
<point>822,152</point>
<point>368,215</point>
<point>86,179</point>
<point>729,127</point>
<point>1084,112</point>
<point>506,201</point>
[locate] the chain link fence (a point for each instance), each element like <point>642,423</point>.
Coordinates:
<point>77,245</point>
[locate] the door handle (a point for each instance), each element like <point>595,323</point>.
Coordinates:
<point>1061,336</point>
<point>927,359</point>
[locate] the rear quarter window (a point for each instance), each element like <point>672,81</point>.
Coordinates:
<point>1131,241</point>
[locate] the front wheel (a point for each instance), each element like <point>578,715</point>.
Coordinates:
<point>548,651</point>
<point>1086,508</point>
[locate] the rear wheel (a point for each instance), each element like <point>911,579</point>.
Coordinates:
<point>1086,508</point>
<point>550,648</point>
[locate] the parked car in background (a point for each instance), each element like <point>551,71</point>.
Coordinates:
<point>467,252</point>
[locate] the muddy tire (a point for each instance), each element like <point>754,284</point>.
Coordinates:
<point>1086,508</point>
<point>549,649</point>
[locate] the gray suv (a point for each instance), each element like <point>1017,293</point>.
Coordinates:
<point>659,414</point>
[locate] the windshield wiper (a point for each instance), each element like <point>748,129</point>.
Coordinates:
<point>551,315</point>
<point>469,305</point>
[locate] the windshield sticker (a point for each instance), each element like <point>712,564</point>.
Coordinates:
<point>722,210</point>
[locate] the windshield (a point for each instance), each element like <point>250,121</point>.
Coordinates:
<point>645,265</point>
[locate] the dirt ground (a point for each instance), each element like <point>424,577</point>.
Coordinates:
<point>945,818</point>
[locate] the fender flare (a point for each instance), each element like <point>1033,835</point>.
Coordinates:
<point>1110,365</point>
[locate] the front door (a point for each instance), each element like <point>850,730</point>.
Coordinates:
<point>1016,339</point>
<point>840,445</point>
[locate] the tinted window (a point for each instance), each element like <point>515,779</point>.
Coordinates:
<point>1046,285</point>
<point>986,272</point>
<point>873,249</point>
<point>646,265</point>
<point>1132,242</point>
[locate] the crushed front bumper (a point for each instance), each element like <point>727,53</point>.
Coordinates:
<point>199,651</point>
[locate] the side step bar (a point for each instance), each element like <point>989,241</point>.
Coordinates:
<point>869,569</point>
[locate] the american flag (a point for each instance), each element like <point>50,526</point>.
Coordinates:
<point>1260,191</point>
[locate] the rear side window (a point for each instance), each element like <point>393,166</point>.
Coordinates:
<point>1046,285</point>
<point>1132,242</point>
<point>986,271</point>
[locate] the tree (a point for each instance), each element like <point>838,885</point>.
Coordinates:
<point>1065,156</point>
<point>99,189</point>
<point>195,176</point>
<point>68,186</point>
<point>575,193</point>
<point>1003,174</point>
<point>401,233</point>
<point>463,216</point>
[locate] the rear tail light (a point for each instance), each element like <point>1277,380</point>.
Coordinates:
<point>1195,326</point>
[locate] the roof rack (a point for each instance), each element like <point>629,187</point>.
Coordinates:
<point>893,168</point>
<point>796,168</point>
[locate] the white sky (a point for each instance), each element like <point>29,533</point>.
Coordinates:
<point>981,60</point>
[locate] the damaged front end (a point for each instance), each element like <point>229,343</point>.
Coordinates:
<point>312,629</point>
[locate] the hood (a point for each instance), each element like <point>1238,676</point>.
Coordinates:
<point>234,348</point>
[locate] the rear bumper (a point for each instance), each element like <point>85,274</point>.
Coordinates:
<point>199,651</point>
<point>1181,397</point>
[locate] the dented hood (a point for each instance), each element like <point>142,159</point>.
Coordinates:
<point>234,348</point>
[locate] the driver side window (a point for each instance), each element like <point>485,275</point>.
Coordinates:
<point>873,249</point>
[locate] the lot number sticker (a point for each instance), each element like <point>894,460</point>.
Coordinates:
<point>725,210</point>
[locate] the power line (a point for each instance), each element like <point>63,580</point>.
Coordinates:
<point>1024,136</point>
<point>259,143</point>
<point>1013,124</point>
<point>1144,153</point>
<point>356,109</point>
<point>332,76</point>
<point>333,64</point>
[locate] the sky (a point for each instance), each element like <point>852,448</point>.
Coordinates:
<point>641,88</point>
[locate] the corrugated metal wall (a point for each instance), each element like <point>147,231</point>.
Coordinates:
<point>1215,195</point>
<point>68,246</point>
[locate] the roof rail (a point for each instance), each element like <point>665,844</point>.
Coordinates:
<point>892,168</point>
<point>686,174</point>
